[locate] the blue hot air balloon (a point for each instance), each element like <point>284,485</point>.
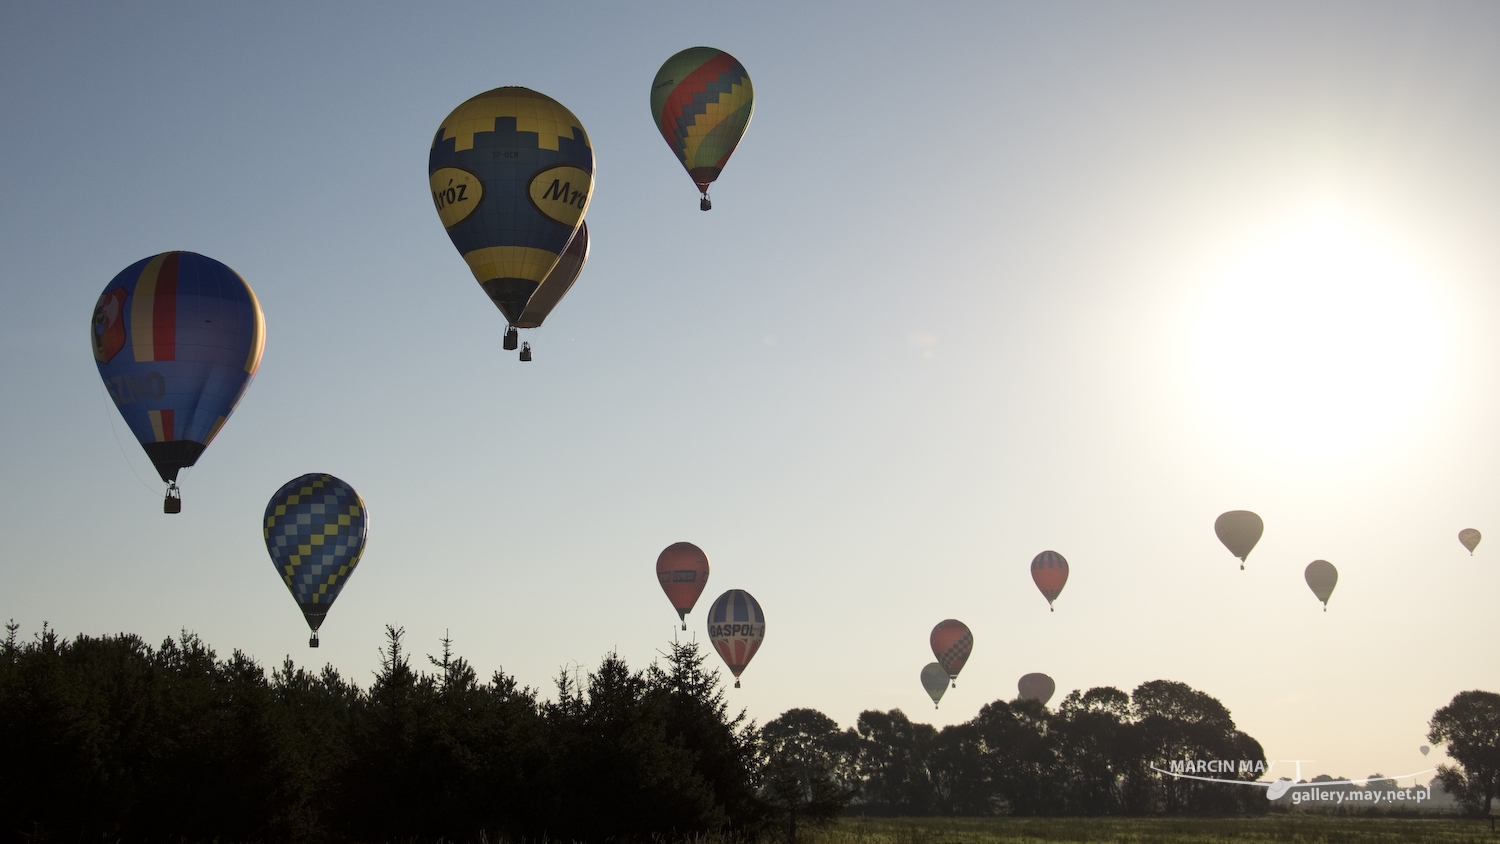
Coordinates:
<point>315,529</point>
<point>177,338</point>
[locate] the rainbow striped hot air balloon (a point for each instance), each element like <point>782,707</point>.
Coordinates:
<point>315,528</point>
<point>701,100</point>
<point>736,626</point>
<point>177,338</point>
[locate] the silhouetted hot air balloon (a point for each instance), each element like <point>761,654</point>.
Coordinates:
<point>935,681</point>
<point>1050,573</point>
<point>1321,577</point>
<point>701,100</point>
<point>1470,539</point>
<point>682,570</point>
<point>736,626</point>
<point>1037,687</point>
<point>315,529</point>
<point>177,338</point>
<point>1424,748</point>
<point>951,643</point>
<point>511,173</point>
<point>1239,530</point>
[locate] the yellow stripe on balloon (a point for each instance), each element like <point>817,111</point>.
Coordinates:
<point>257,343</point>
<point>511,262</point>
<point>142,339</point>
<point>214,431</point>
<point>533,113</point>
<point>156,427</point>
<point>713,114</point>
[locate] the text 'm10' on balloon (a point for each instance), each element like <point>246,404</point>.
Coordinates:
<point>1050,573</point>
<point>177,338</point>
<point>682,570</point>
<point>951,644</point>
<point>315,528</point>
<point>1239,530</point>
<point>1470,539</point>
<point>935,681</point>
<point>702,100</point>
<point>511,173</point>
<point>1321,577</point>
<point>1037,687</point>
<point>736,626</point>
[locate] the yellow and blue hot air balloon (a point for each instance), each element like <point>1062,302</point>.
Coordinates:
<point>177,338</point>
<point>511,173</point>
<point>701,100</point>
<point>315,529</point>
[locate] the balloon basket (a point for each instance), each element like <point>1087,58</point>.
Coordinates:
<point>312,641</point>
<point>736,683</point>
<point>173,502</point>
<point>510,339</point>
<point>525,351</point>
<point>704,204</point>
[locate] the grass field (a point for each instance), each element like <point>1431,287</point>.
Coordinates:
<point>1300,828</point>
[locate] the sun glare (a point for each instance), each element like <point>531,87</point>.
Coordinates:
<point>1320,342</point>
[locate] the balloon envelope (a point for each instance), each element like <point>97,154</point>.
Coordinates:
<point>1424,748</point>
<point>935,681</point>
<point>558,282</point>
<point>1239,530</point>
<point>511,173</point>
<point>736,626</point>
<point>951,643</point>
<point>701,101</point>
<point>177,338</point>
<point>315,530</point>
<point>1321,578</point>
<point>682,570</point>
<point>1037,687</point>
<point>1470,539</point>
<point>1050,573</point>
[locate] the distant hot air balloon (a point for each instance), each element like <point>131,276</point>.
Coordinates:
<point>1037,687</point>
<point>1470,538</point>
<point>1424,748</point>
<point>1050,573</point>
<point>511,173</point>
<point>701,100</point>
<point>682,570</point>
<point>951,643</point>
<point>1321,578</point>
<point>1239,530</point>
<point>736,626</point>
<point>935,681</point>
<point>177,338</point>
<point>315,529</point>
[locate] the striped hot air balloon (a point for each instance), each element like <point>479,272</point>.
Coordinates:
<point>736,626</point>
<point>177,338</point>
<point>315,528</point>
<point>951,643</point>
<point>701,100</point>
<point>1050,573</point>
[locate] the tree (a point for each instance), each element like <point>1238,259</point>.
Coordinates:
<point>1470,725</point>
<point>809,767</point>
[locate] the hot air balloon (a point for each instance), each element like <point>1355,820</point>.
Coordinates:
<point>1470,539</point>
<point>951,643</point>
<point>736,626</point>
<point>1050,573</point>
<point>315,530</point>
<point>935,681</point>
<point>177,338</point>
<point>1037,687</point>
<point>511,173</point>
<point>682,570</point>
<point>701,100</point>
<point>1424,748</point>
<point>1239,530</point>
<point>1321,578</point>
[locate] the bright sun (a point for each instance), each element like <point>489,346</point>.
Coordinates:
<point>1320,342</point>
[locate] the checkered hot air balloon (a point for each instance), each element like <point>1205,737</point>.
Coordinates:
<point>701,100</point>
<point>736,626</point>
<point>951,643</point>
<point>1050,573</point>
<point>177,338</point>
<point>682,570</point>
<point>315,529</point>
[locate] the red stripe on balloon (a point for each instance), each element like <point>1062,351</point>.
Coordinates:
<point>164,315</point>
<point>168,425</point>
<point>693,83</point>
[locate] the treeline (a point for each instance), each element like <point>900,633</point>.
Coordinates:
<point>108,738</point>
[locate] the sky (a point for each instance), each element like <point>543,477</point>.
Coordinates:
<point>982,280</point>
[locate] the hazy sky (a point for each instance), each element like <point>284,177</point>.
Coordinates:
<point>981,280</point>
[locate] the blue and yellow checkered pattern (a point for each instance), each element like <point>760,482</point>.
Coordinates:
<point>315,530</point>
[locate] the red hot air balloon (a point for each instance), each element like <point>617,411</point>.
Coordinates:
<point>951,643</point>
<point>683,571</point>
<point>1050,573</point>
